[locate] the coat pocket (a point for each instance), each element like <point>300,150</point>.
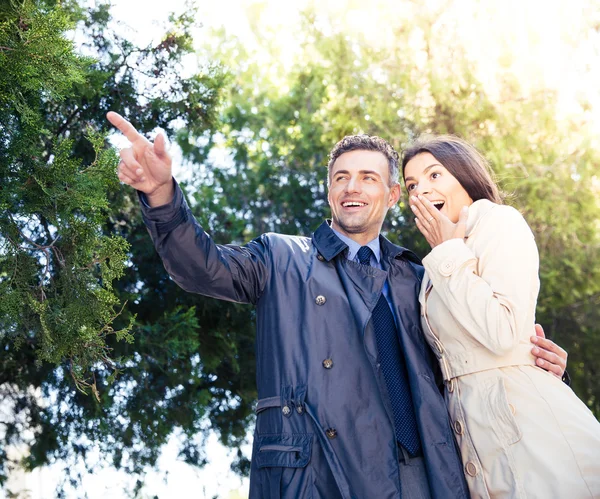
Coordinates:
<point>282,461</point>
<point>506,426</point>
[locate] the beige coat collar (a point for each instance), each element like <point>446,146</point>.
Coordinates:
<point>477,211</point>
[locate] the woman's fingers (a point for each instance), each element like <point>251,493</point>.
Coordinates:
<point>421,227</point>
<point>426,214</point>
<point>420,212</point>
<point>423,220</point>
<point>429,209</point>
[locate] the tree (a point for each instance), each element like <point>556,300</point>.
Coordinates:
<point>62,216</point>
<point>57,268</point>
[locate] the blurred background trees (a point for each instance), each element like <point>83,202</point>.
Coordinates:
<point>101,351</point>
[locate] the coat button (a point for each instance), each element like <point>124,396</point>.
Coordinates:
<point>299,409</point>
<point>447,268</point>
<point>286,410</point>
<point>458,427</point>
<point>320,257</point>
<point>320,300</point>
<point>331,432</point>
<point>328,363</point>
<point>471,468</point>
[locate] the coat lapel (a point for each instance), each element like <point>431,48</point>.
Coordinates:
<point>405,286</point>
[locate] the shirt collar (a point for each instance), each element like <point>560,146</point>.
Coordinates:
<point>353,246</point>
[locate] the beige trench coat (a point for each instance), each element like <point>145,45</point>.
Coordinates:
<point>522,432</point>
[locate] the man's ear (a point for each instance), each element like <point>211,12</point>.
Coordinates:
<point>395,193</point>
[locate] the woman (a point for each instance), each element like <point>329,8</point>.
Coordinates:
<point>521,431</point>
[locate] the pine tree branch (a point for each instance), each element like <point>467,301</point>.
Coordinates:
<point>67,122</point>
<point>40,247</point>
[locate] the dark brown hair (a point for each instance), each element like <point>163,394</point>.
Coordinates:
<point>462,160</point>
<point>365,143</point>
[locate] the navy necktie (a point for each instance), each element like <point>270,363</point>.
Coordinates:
<point>393,369</point>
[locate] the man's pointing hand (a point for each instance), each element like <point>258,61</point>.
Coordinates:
<point>145,166</point>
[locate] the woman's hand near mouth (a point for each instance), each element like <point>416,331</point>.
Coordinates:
<point>434,225</point>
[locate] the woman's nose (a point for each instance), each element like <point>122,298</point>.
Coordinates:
<point>420,189</point>
<point>415,191</point>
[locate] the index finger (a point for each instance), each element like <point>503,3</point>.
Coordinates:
<point>124,126</point>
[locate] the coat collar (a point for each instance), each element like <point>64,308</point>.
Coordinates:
<point>326,242</point>
<point>477,211</point>
<point>330,246</point>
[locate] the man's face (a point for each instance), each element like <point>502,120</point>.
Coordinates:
<point>360,194</point>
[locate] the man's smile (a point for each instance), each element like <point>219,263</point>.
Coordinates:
<point>353,205</point>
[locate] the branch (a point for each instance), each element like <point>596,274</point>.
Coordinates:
<point>67,122</point>
<point>41,247</point>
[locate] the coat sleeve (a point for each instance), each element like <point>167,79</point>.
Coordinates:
<point>490,294</point>
<point>196,263</point>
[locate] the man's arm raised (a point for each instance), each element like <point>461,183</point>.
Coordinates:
<point>145,166</point>
<point>190,256</point>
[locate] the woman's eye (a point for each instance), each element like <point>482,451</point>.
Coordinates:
<point>411,187</point>
<point>435,175</point>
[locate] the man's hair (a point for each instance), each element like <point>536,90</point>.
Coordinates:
<point>462,160</point>
<point>365,143</point>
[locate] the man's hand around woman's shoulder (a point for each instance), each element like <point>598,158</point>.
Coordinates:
<point>549,355</point>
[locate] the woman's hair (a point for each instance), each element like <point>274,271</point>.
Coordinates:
<point>462,160</point>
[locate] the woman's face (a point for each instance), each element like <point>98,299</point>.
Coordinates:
<point>426,176</point>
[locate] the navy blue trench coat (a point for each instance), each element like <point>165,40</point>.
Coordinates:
<point>324,427</point>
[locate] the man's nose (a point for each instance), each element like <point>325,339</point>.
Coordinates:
<point>353,185</point>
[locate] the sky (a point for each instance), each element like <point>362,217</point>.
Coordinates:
<point>538,41</point>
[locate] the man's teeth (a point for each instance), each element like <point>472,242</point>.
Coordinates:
<point>353,203</point>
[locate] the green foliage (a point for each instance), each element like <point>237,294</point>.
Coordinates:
<point>57,267</point>
<point>66,270</point>
<point>37,60</point>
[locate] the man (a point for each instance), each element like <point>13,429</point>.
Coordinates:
<point>348,401</point>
